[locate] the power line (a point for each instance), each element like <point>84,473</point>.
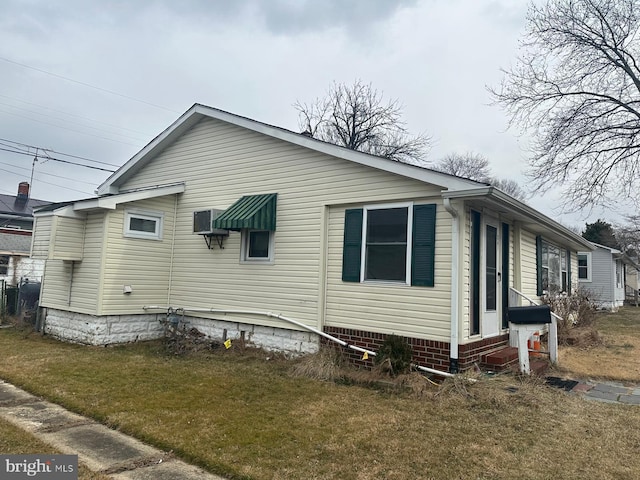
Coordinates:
<point>99,129</point>
<point>67,128</point>
<point>48,157</point>
<point>146,134</point>
<point>49,183</point>
<point>47,174</point>
<point>53,151</point>
<point>111,92</point>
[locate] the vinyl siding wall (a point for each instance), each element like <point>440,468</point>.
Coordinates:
<point>220,163</point>
<point>528,268</point>
<point>75,286</point>
<point>603,276</point>
<point>67,238</point>
<point>41,237</point>
<point>143,264</point>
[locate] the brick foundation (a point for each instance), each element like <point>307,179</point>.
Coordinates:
<point>428,353</point>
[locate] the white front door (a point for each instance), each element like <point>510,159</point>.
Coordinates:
<point>490,279</point>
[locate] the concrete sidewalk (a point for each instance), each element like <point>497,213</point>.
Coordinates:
<point>98,447</point>
<point>609,392</point>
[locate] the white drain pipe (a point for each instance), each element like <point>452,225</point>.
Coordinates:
<point>292,321</point>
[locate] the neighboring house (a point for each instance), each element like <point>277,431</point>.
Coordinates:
<point>16,226</point>
<point>241,226</point>
<point>603,273</point>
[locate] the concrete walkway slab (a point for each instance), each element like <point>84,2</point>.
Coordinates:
<point>630,399</point>
<point>608,388</point>
<point>101,449</point>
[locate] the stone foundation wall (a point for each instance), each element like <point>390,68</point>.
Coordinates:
<point>113,329</point>
<point>102,330</point>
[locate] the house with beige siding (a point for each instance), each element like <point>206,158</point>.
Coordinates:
<point>250,231</point>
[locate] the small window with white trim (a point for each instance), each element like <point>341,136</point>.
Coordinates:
<point>257,246</point>
<point>143,224</point>
<point>584,266</point>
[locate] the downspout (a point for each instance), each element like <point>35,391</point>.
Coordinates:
<point>454,366</point>
<point>173,246</point>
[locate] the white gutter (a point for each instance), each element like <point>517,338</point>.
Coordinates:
<point>455,251</point>
<point>515,206</point>
<point>290,320</point>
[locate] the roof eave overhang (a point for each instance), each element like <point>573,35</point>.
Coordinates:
<point>110,202</point>
<point>198,112</point>
<point>526,215</point>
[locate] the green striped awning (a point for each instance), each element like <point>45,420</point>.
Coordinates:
<point>255,212</point>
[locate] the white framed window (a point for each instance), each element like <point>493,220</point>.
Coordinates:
<point>619,274</point>
<point>257,246</point>
<point>143,224</point>
<point>386,238</point>
<point>584,266</point>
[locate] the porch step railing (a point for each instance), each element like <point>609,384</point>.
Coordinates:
<point>519,334</point>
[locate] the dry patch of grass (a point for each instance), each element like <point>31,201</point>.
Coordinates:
<point>240,415</point>
<point>615,357</point>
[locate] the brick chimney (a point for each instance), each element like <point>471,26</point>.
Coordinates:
<point>23,190</point>
<point>23,194</point>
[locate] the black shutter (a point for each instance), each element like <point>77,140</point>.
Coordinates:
<point>424,245</point>
<point>506,244</point>
<point>568,271</point>
<point>539,265</point>
<point>352,246</point>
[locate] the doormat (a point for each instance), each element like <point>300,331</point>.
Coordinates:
<point>561,383</point>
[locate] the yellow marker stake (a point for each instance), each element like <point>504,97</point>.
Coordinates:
<point>227,343</point>
<point>365,356</point>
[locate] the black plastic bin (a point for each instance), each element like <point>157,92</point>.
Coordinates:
<point>531,314</point>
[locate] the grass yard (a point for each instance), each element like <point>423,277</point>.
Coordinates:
<point>618,358</point>
<point>242,415</point>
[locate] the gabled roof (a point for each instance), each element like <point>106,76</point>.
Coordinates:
<point>197,112</point>
<point>452,186</point>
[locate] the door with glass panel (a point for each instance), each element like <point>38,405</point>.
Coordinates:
<point>490,278</point>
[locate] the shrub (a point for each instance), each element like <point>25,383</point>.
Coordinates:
<point>576,310</point>
<point>394,356</point>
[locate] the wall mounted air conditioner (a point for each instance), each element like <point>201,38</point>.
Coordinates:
<point>203,220</point>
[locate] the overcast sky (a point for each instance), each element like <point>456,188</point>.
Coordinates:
<point>100,79</point>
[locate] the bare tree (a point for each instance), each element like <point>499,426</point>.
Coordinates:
<point>468,165</point>
<point>356,117</point>
<point>628,235</point>
<point>476,167</point>
<point>510,187</point>
<point>576,88</point>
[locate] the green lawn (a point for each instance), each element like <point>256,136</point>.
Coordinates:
<point>243,416</point>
